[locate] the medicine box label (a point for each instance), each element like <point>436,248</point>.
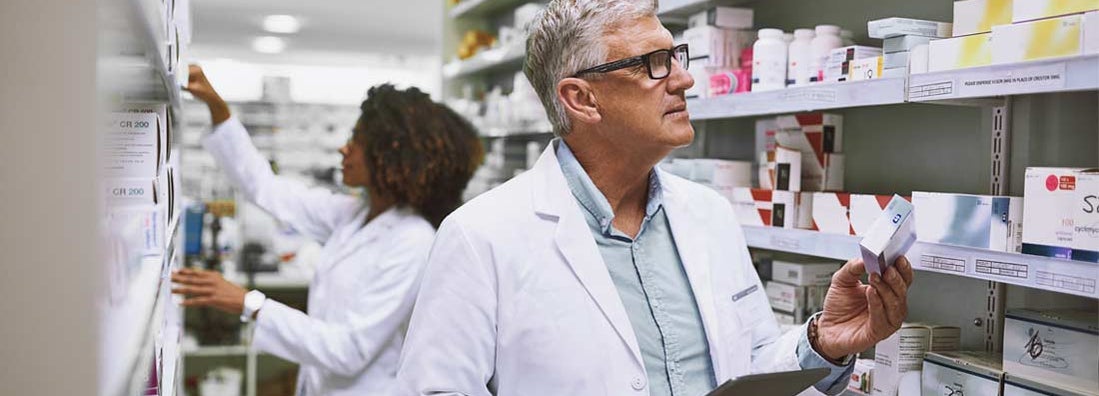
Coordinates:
<point>132,145</point>
<point>890,237</point>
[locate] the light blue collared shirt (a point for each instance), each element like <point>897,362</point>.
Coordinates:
<point>653,286</point>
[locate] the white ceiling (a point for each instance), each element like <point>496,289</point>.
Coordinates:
<point>386,27</point>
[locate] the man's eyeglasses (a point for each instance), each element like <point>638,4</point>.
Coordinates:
<point>658,63</point>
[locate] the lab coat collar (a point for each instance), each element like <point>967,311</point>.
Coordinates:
<point>552,198</point>
<point>358,234</point>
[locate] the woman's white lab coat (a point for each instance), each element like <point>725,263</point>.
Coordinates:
<point>366,277</point>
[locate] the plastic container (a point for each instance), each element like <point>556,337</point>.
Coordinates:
<point>787,38</point>
<point>827,38</point>
<point>848,37</point>
<point>799,58</point>
<point>769,61</point>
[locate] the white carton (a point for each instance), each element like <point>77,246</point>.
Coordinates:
<point>896,60</point>
<point>961,373</point>
<point>1028,10</point>
<point>1047,211</point>
<point>724,17</point>
<point>785,173</point>
<point>1019,386</point>
<point>820,133</point>
<point>979,16</point>
<point>831,213</point>
<point>866,69</point>
<point>784,209</point>
<point>831,177</point>
<point>804,274</point>
<point>795,299</point>
<point>805,211</point>
<point>1085,218</point>
<point>1091,33</point>
<point>890,236</point>
<point>752,206</point>
<point>864,210</point>
<point>132,191</point>
<point>1053,346</point>
<point>862,377</point>
<point>893,27</point>
<point>980,221</point>
<point>902,43</point>
<point>959,52</point>
<point>1041,39</point>
<point>898,361</point>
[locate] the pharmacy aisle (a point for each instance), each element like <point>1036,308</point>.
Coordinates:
<point>975,119</point>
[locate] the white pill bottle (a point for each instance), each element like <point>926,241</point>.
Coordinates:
<point>769,61</point>
<point>827,39</point>
<point>799,58</point>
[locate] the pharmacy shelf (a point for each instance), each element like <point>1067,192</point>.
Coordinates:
<point>805,242</point>
<point>127,326</point>
<point>1043,273</point>
<point>272,281</point>
<point>679,10</point>
<point>840,95</point>
<point>480,8</point>
<point>1078,73</point>
<point>533,131</point>
<point>216,351</point>
<point>487,61</point>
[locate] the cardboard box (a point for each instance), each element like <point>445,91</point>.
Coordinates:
<point>901,72</point>
<point>785,167</point>
<point>1085,219</point>
<point>903,43</point>
<point>1029,10</point>
<point>804,274</point>
<point>979,16</point>
<point>1091,33</point>
<point>784,209</point>
<point>919,58</point>
<point>979,221</point>
<point>831,178</point>
<point>842,60</point>
<point>865,69</point>
<point>1048,203</point>
<point>943,338</point>
<point>708,45</point>
<point>752,206</point>
<point>961,373</point>
<point>898,361</point>
<point>960,52</point>
<point>1019,386</point>
<point>864,210</point>
<point>861,379</point>
<point>795,299</point>
<point>1053,346</point>
<point>724,17</point>
<point>718,172</point>
<point>890,237</point>
<point>830,212</point>
<point>805,210</point>
<point>1041,39</point>
<point>893,27</point>
<point>896,60</point>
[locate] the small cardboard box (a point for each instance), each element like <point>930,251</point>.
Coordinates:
<point>979,16</point>
<point>1054,346</point>
<point>831,213</point>
<point>804,274</point>
<point>890,237</point>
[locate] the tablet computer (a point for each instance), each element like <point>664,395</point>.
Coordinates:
<point>786,383</point>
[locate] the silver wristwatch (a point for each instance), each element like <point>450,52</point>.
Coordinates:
<point>253,301</point>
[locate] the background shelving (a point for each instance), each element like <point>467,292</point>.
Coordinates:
<point>800,99</point>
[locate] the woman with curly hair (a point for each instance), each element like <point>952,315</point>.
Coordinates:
<point>414,157</point>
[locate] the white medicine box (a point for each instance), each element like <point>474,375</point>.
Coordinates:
<point>803,274</point>
<point>1048,203</point>
<point>1085,217</point>
<point>1053,346</point>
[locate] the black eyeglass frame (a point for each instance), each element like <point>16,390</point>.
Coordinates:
<point>642,60</point>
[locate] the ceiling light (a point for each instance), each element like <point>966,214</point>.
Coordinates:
<point>284,24</point>
<point>268,45</point>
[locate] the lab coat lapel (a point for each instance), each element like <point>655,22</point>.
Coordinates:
<point>552,197</point>
<point>359,235</point>
<point>690,241</point>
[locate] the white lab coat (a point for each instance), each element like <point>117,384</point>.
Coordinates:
<point>365,284</point>
<point>516,299</point>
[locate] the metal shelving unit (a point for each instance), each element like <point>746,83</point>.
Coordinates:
<point>799,99</point>
<point>487,61</point>
<point>1036,272</point>
<point>1078,73</point>
<point>480,8</point>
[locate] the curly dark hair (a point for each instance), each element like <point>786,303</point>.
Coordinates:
<point>418,153</point>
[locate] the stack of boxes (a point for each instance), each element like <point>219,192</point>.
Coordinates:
<point>904,42</point>
<point>797,289</point>
<point>853,63</point>
<point>899,359</point>
<point>721,175</point>
<point>990,32</point>
<point>721,40</point>
<point>979,221</point>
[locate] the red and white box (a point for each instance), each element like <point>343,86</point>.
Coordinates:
<point>830,180</point>
<point>831,213</point>
<point>865,208</point>
<point>784,209</point>
<point>819,137</point>
<point>783,169</point>
<point>805,210</point>
<point>752,206</point>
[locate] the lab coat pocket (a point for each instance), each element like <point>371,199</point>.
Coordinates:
<point>738,337</point>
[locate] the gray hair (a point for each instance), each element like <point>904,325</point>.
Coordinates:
<point>566,38</point>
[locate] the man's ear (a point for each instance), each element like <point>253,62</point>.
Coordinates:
<point>578,99</point>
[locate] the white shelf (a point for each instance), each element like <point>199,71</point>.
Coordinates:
<point>878,92</point>
<point>1079,73</point>
<point>809,243</point>
<point>679,10</point>
<point>520,132</point>
<point>217,351</point>
<point>479,8</point>
<point>268,280</point>
<point>1050,274</point>
<point>126,326</point>
<point>486,61</point>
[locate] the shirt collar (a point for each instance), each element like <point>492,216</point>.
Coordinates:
<point>589,195</point>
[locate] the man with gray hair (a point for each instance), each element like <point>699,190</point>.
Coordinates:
<point>596,273</point>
